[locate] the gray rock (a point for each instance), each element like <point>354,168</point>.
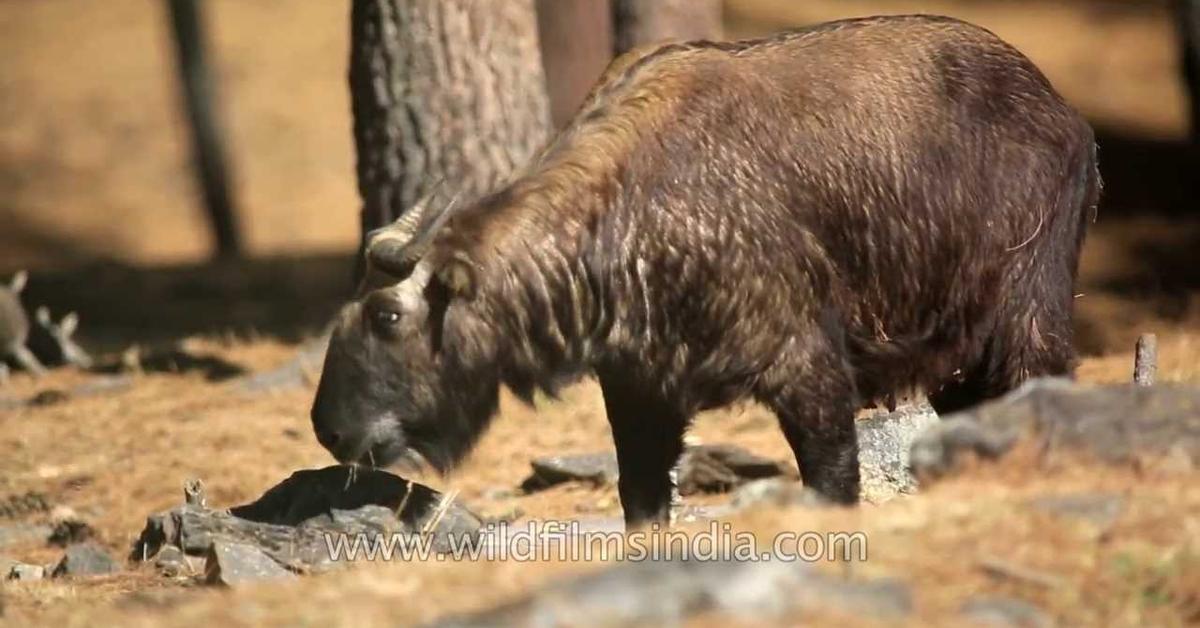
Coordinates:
<point>884,441</point>
<point>290,522</point>
<point>778,492</point>
<point>1004,611</point>
<point>597,468</point>
<point>719,468</point>
<point>669,592</point>
<point>85,559</point>
<point>937,450</point>
<point>24,572</point>
<point>1116,424</point>
<point>234,564</point>
<point>314,497</point>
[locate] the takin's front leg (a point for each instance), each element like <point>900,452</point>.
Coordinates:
<point>648,434</point>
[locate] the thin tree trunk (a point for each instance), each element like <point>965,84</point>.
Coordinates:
<point>577,44</point>
<point>442,90</point>
<point>639,22</point>
<point>187,25</point>
<point>1188,17</point>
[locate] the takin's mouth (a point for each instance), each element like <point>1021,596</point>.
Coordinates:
<point>393,453</point>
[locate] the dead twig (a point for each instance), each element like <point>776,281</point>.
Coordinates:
<point>439,512</point>
<point>998,568</point>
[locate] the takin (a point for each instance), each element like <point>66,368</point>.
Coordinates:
<point>813,220</point>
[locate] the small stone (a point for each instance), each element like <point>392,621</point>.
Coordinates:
<point>936,451</point>
<point>171,562</point>
<point>235,564</point>
<point>1003,611</point>
<point>718,468</point>
<point>24,572</point>
<point>48,397</point>
<point>85,559</point>
<point>776,492</point>
<point>598,469</point>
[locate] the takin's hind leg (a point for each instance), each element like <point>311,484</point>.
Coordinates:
<point>648,433</point>
<point>816,413</point>
<point>1033,341</point>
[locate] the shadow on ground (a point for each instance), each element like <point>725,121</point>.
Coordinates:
<point>288,298</point>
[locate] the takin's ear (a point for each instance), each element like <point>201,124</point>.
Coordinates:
<point>42,314</point>
<point>458,275</point>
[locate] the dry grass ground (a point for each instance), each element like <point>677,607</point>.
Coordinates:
<point>92,167</point>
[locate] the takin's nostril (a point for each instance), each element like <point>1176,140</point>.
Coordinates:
<point>328,438</point>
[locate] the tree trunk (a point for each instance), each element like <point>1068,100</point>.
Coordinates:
<point>577,44</point>
<point>639,22</point>
<point>1188,16</point>
<point>442,90</point>
<point>187,26</point>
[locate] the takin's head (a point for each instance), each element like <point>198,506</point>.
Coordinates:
<point>388,392</point>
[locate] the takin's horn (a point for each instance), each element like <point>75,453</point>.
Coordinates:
<point>396,248</point>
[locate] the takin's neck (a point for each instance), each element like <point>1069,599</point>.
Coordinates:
<point>541,308</point>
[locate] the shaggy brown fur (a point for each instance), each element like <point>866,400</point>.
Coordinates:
<point>809,220</point>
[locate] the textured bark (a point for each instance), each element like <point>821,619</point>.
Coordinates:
<point>577,44</point>
<point>639,22</point>
<point>187,25</point>
<point>447,90</point>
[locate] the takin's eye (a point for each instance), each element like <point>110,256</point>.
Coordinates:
<point>384,318</point>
